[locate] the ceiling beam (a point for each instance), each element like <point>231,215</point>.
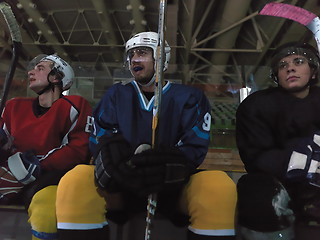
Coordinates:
<point>31,9</point>
<point>138,20</point>
<point>187,9</point>
<point>101,8</point>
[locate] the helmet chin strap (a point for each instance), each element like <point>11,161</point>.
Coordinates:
<point>149,83</point>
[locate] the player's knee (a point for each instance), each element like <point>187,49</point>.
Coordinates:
<point>78,200</point>
<point>212,200</point>
<point>42,214</point>
<point>213,188</point>
<point>78,176</point>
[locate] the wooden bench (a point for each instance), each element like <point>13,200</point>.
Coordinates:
<point>223,159</point>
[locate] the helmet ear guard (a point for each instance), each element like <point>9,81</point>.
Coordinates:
<point>61,69</point>
<point>274,77</point>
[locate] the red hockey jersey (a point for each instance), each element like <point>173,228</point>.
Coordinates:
<point>59,137</point>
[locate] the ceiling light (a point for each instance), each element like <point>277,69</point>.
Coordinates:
<point>144,22</point>
<point>32,5</point>
<point>142,8</point>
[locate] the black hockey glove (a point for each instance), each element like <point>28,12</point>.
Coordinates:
<point>305,161</point>
<point>153,171</point>
<point>299,161</point>
<point>112,152</point>
<point>313,175</point>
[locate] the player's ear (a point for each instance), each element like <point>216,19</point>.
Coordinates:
<point>55,79</point>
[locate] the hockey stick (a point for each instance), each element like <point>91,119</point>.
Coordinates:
<point>297,14</point>
<point>160,57</point>
<point>16,41</point>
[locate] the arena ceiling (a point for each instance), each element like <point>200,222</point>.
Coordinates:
<point>220,45</point>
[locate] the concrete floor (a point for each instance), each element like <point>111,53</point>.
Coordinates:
<point>14,226</point>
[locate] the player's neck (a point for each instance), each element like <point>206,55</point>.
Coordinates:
<point>147,88</point>
<point>301,94</point>
<point>47,98</point>
<point>150,88</point>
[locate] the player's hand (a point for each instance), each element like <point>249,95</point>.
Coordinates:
<point>313,175</point>
<point>24,166</point>
<point>113,151</point>
<point>299,159</point>
<point>304,164</point>
<point>153,171</point>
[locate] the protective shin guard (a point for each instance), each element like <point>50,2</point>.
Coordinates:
<point>92,234</point>
<point>193,236</point>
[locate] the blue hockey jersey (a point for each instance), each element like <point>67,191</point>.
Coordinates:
<point>184,119</point>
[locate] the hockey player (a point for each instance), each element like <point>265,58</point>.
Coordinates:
<point>278,140</point>
<point>41,139</point>
<point>120,181</point>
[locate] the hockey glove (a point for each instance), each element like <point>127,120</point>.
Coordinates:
<point>299,161</point>
<point>112,152</point>
<point>305,161</point>
<point>313,175</point>
<point>24,166</point>
<point>153,171</point>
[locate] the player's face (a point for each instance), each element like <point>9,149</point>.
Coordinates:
<point>38,77</point>
<point>294,73</point>
<point>141,64</point>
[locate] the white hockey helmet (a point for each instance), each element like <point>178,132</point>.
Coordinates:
<point>63,68</point>
<point>147,39</point>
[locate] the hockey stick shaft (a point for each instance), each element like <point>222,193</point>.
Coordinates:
<point>160,57</point>
<point>16,41</point>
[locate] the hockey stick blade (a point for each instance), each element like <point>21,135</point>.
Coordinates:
<point>11,21</point>
<point>297,14</point>
<point>288,11</point>
<point>16,41</point>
